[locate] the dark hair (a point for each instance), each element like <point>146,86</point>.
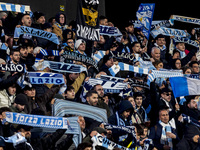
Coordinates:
<point>69,88</point>
<point>89,93</point>
<point>13,51</point>
<point>192,63</point>
<point>3,109</point>
<point>160,36</point>
<point>175,51</point>
<point>133,44</point>
<point>184,68</point>
<point>94,87</point>
<point>102,17</point>
<point>82,146</point>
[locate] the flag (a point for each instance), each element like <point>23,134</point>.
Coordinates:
<point>145,16</point>
<point>87,20</point>
<point>183,86</point>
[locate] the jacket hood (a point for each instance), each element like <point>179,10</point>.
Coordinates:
<point>58,16</point>
<point>125,105</point>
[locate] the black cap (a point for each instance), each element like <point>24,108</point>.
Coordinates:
<point>106,58</point>
<point>165,90</point>
<point>37,15</point>
<point>26,128</point>
<point>46,26</point>
<point>21,99</point>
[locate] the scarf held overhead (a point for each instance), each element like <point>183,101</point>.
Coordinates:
<point>79,57</point>
<point>37,33</point>
<point>37,120</point>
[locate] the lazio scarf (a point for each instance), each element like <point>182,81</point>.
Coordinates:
<point>36,33</point>
<point>45,78</point>
<point>126,67</point>
<point>99,140</point>
<point>184,19</point>
<point>37,120</point>
<point>14,7</point>
<point>168,32</point>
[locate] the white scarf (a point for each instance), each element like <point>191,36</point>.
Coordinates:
<point>164,139</point>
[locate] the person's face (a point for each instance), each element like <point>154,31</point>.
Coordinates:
<point>166,96</point>
<point>48,29</point>
<point>164,116</point>
<point>88,148</point>
<point>178,64</point>
<point>181,46</point>
<point>82,47</point>
<point>126,114</point>
<point>30,49</point>
<point>176,55</point>
<point>62,19</point>
<point>20,107</point>
<point>26,21</point>
<point>93,99</point>
<point>159,66</point>
<point>106,100</point>
<point>130,29</point>
<point>192,104</point>
<point>99,90</point>
<point>30,93</point>
<point>188,71</point>
<point>81,122</point>
<point>15,57</point>
<point>131,99</point>
<point>156,54</point>
<point>74,76</point>
<point>138,101</point>
<point>195,68</point>
<point>102,40</point>
<point>12,90</point>
<point>160,41</point>
<point>70,94</point>
<point>104,22</point>
<point>145,132</point>
<point>26,133</point>
<point>23,52</point>
<point>109,63</point>
<point>41,20</point>
<point>136,48</point>
<point>69,35</point>
<point>70,42</point>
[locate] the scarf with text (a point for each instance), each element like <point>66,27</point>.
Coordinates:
<point>67,55</point>
<point>36,33</point>
<point>12,67</point>
<point>184,19</point>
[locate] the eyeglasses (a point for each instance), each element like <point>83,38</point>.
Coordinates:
<point>70,42</point>
<point>167,94</point>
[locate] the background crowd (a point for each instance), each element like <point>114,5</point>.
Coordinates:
<point>148,109</point>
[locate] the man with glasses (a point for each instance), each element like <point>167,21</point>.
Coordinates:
<point>166,102</point>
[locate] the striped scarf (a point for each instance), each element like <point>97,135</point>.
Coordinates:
<point>63,107</point>
<point>126,67</point>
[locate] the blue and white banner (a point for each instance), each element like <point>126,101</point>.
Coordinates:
<point>99,140</point>
<point>59,66</point>
<point>110,31</point>
<point>186,41</point>
<point>37,120</point>
<point>168,32</point>
<point>36,33</point>
<point>63,107</point>
<point>183,86</point>
<point>184,19</point>
<point>111,78</point>
<point>165,74</point>
<point>126,67</point>
<point>97,56</point>
<point>12,67</point>
<point>45,78</point>
<point>145,16</point>
<point>14,7</point>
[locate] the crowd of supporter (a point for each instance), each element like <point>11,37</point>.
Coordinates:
<point>148,108</point>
